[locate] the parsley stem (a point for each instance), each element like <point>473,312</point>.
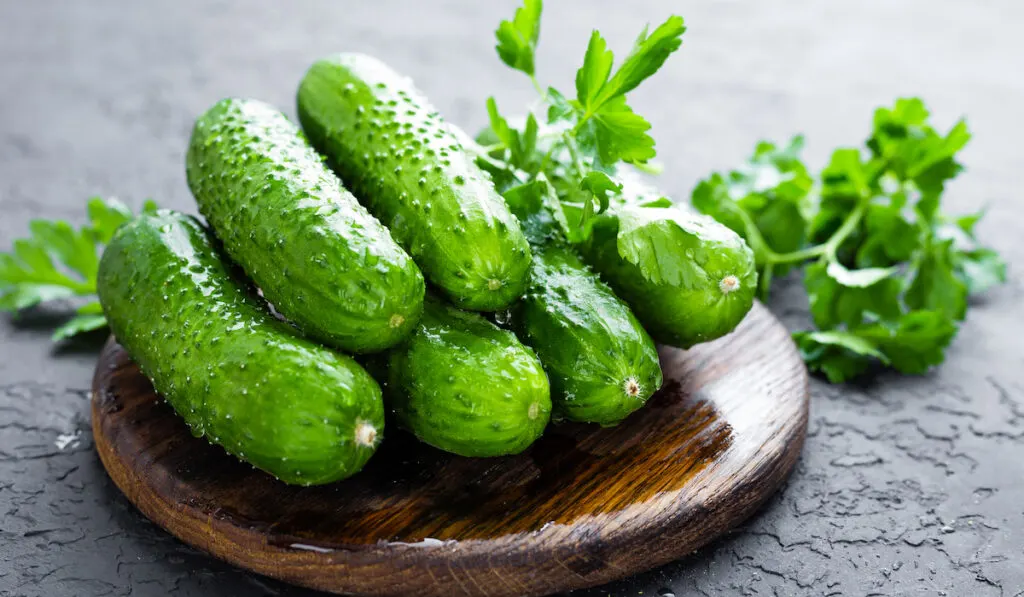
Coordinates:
<point>827,249</point>
<point>576,160</point>
<point>764,283</point>
<point>547,158</point>
<point>579,123</point>
<point>650,167</point>
<point>796,256</point>
<point>755,239</point>
<point>848,227</point>
<point>537,86</point>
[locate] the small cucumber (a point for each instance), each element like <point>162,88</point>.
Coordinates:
<point>237,375</point>
<point>318,256</point>
<point>715,292</point>
<point>601,363</point>
<point>400,158</point>
<point>464,385</point>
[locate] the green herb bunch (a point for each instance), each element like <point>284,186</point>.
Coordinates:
<point>886,271</point>
<point>58,262</point>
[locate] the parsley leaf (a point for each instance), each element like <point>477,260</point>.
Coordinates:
<point>841,356</point>
<point>765,201</point>
<point>620,134</point>
<point>518,148</point>
<point>648,55</point>
<point>517,39</point>
<point>979,269</point>
<point>838,296</point>
<point>601,186</point>
<point>499,126</point>
<point>559,108</point>
<point>592,76</point>
<point>912,344</point>
<point>887,273</point>
<point>969,222</point>
<point>888,237</point>
<point>538,210</point>
<point>79,324</point>
<point>653,238</point>
<point>595,85</point>
<point>59,262</point>
<point>914,151</point>
<point>713,196</point>
<point>935,285</point>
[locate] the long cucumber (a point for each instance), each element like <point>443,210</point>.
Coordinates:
<point>237,375</point>
<point>316,253</point>
<point>391,147</point>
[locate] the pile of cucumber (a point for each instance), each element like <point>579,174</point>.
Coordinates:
<point>373,232</point>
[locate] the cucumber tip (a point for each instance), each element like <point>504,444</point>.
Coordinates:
<point>632,387</point>
<point>729,284</point>
<point>494,284</point>
<point>366,434</point>
<point>533,411</point>
<point>396,321</point>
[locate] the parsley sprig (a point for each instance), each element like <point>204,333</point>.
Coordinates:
<point>887,273</point>
<point>585,135</point>
<point>59,262</point>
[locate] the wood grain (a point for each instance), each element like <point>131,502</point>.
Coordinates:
<point>583,506</point>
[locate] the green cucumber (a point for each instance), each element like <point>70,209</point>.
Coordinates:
<point>409,167</point>
<point>318,256</point>
<point>601,363</point>
<point>464,385</point>
<point>713,294</point>
<point>688,278</point>
<point>236,374</point>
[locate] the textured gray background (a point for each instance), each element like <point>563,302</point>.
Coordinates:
<point>907,486</point>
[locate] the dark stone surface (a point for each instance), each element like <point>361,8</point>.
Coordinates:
<point>908,486</point>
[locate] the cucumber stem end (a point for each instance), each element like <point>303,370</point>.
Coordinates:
<point>632,387</point>
<point>366,434</point>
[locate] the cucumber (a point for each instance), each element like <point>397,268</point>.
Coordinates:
<point>716,292</point>
<point>464,385</point>
<point>601,363</point>
<point>400,158</point>
<point>319,257</point>
<point>690,279</point>
<point>237,375</point>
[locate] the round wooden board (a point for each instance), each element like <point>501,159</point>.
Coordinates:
<point>581,507</point>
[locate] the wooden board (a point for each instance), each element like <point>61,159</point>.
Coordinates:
<point>583,506</point>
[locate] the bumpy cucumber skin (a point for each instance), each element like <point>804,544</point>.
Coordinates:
<point>399,157</point>
<point>320,258</point>
<point>601,363</point>
<point>676,315</point>
<point>464,385</point>
<point>237,375</point>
